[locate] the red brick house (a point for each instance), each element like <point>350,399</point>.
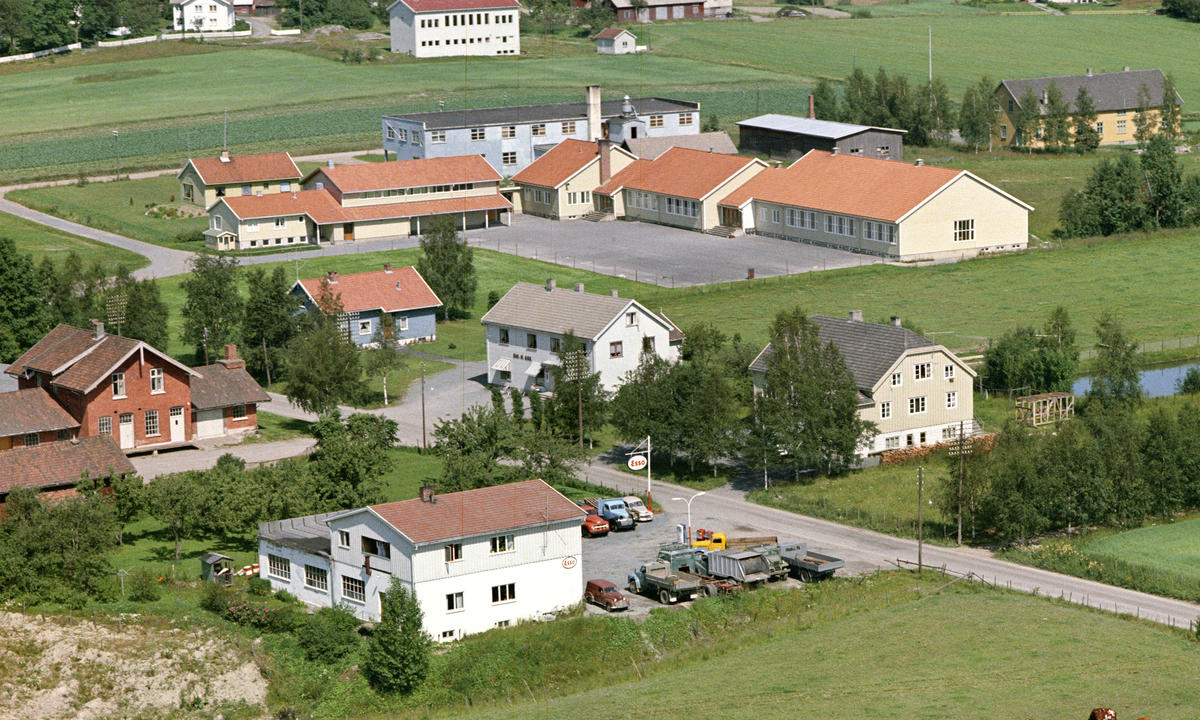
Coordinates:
<point>31,417</point>
<point>651,10</point>
<point>55,468</point>
<point>117,386</point>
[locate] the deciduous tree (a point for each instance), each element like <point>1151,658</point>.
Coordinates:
<point>447,264</point>
<point>350,458</point>
<point>397,656</point>
<point>1057,121</point>
<point>385,357</point>
<point>1027,120</point>
<point>24,316</point>
<point>1166,202</point>
<point>269,321</point>
<point>213,308</point>
<point>1116,378</point>
<point>177,500</point>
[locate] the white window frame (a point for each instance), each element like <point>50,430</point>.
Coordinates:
<point>354,595</point>
<point>505,593</point>
<point>922,371</point>
<point>897,379</point>
<point>656,121</point>
<point>437,137</point>
<point>315,581</point>
<point>157,386</point>
<point>568,127</point>
<point>344,539</point>
<point>616,349</point>
<point>453,552</point>
<point>948,373</point>
<point>964,230</point>
<point>279,567</point>
<point>508,132</point>
<point>891,443</point>
<point>402,323</point>
<point>502,544</point>
<point>508,157</point>
<point>478,134</point>
<point>685,118</point>
<point>104,425</point>
<point>454,602</point>
<point>951,399</point>
<point>237,412</point>
<point>118,385</point>
<point>885,410</point>
<point>917,405</point>
<point>147,417</point>
<point>537,130</point>
<point>364,327</point>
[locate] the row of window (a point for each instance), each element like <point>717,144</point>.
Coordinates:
<point>156,383</point>
<point>463,19</point>
<point>531,341</point>
<point>922,371</point>
<point>834,224</point>
<point>949,432</point>
<point>401,192</point>
<point>150,420</point>
<point>682,206</point>
<point>916,405</point>
<point>580,197</point>
<point>500,594</point>
<point>280,223</point>
<point>508,132</point>
<point>542,197</point>
<point>33,439</point>
<point>266,242</point>
<point>465,41</point>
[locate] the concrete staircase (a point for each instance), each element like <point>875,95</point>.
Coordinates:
<point>596,216</point>
<point>724,231</point>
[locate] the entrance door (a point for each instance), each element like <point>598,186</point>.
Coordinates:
<point>126,423</point>
<point>731,217</point>
<point>177,424</point>
<point>348,232</point>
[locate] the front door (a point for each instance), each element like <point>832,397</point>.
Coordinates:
<point>348,232</point>
<point>731,217</point>
<point>177,424</point>
<point>126,423</point>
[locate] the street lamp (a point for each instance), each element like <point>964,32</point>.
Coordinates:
<point>117,142</point>
<point>689,511</point>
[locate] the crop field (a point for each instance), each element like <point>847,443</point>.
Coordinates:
<point>41,241</point>
<point>1171,548</point>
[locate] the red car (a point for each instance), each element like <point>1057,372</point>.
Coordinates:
<point>593,524</point>
<point>606,595</point>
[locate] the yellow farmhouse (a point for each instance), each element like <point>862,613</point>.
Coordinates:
<point>203,181</point>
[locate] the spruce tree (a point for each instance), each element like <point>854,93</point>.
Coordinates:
<point>1168,111</point>
<point>447,264</point>
<point>1057,121</point>
<point>1087,138</point>
<point>397,657</point>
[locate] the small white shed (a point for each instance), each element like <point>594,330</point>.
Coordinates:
<point>616,41</point>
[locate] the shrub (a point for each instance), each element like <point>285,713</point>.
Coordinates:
<point>286,597</point>
<point>283,620</point>
<point>144,586</point>
<point>260,587</point>
<point>216,598</point>
<point>193,236</point>
<point>1190,383</point>
<point>245,612</point>
<point>328,635</point>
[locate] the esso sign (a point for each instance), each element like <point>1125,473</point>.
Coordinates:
<point>637,462</point>
<point>570,562</point>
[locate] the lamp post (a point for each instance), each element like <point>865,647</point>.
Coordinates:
<point>689,511</point>
<point>117,142</point>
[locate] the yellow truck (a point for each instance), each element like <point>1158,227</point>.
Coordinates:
<point>709,540</point>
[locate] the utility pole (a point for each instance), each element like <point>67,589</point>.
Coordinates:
<point>117,142</point>
<point>266,359</point>
<point>424,444</point>
<point>962,448</point>
<point>920,516</point>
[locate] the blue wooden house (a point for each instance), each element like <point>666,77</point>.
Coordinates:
<point>367,297</point>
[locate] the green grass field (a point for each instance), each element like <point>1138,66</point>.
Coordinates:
<point>1171,548</point>
<point>40,242</point>
<point>273,428</point>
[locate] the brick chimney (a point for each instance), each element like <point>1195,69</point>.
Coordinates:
<point>896,320</point>
<point>224,156</point>
<point>612,293</point>
<point>605,148</point>
<point>812,107</point>
<point>231,360</point>
<point>578,287</point>
<point>551,283</point>
<point>97,329</point>
<point>331,277</point>
<point>387,268</point>
<point>594,114</point>
<point>427,494</point>
<point>856,316</point>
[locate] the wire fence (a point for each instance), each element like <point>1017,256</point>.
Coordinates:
<point>1190,341</point>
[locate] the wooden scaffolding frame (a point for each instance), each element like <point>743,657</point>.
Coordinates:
<point>1045,408</point>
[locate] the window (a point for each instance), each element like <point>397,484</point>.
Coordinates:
<point>508,132</point>
<point>1099,128</point>
<point>631,319</point>
<point>648,344</point>
<point>922,437</point>
<point>949,433</point>
<point>685,119</point>
<point>279,567</point>
<point>502,543</point>
<point>568,128</point>
<point>615,349</point>
<point>1121,126</point>
<point>354,589</point>
<point>656,121</point>
<point>1011,105</point>
<point>238,412</point>
<point>501,623</point>
<point>538,130</point>
<point>156,380</point>
<point>32,439</point>
<point>680,206</point>
<point>454,601</point>
<point>949,372</point>
<point>403,135</point>
<point>1003,132</point>
<point>530,341</point>
<point>187,192</point>
<point>247,190</point>
<point>63,435</point>
<point>885,410</point>
<point>437,136</point>
<point>252,227</point>
<point>555,343</point>
<point>503,336</point>
<point>447,634</point>
<point>151,422</point>
<point>509,157</point>
<point>892,442</point>
<point>922,371</point>
<point>118,385</point>
<point>951,400</point>
<point>504,593</point>
<point>344,539</point>
<point>883,151</point>
<point>402,323</point>
<point>477,133</point>
<point>916,405</point>
<point>775,215</point>
<point>316,577</point>
<point>897,379</point>
<point>454,552</point>
<point>378,548</point>
<point>104,425</point>
<point>391,131</point>
<point>964,230</point>
<point>364,327</point>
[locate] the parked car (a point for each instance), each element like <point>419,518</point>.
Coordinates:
<point>614,511</point>
<point>637,508</point>
<point>605,594</point>
<point>593,524</point>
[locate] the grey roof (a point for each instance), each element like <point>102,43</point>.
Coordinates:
<point>220,386</point>
<point>557,311</point>
<point>309,533</point>
<point>869,349</point>
<point>810,126</point>
<point>649,148</point>
<point>1109,91</point>
<point>554,112</point>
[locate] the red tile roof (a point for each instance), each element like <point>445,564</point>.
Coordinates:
<point>868,187</point>
<point>402,288</point>
<point>94,359</point>
<point>476,512</point>
<point>245,168</point>
<point>422,172</point>
<point>681,172</point>
<point>324,209</point>
<point>32,410</point>
<point>564,160</point>
<point>57,464</point>
<point>611,33</point>
<point>446,5</point>
<point>54,350</point>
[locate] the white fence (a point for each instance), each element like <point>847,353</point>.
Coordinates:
<point>40,53</point>
<point>173,36</point>
<point>122,43</point>
<point>291,31</point>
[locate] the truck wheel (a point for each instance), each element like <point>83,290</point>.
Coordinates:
<point>632,587</point>
<point>664,597</point>
<point>806,576</point>
<point>710,590</point>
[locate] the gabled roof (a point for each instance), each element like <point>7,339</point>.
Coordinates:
<point>421,6</point>
<point>220,386</point>
<point>811,126</point>
<point>392,290</point>
<point>1109,91</point>
<point>60,464</point>
<point>563,162</point>
<point>611,33</point>
<point>324,209</point>
<point>476,512</point>
<point>421,172</point>
<point>681,172</point>
<point>869,349</point>
<point>32,410</point>
<point>654,3</point>
<point>650,148</point>
<point>559,311</point>
<point>851,185</point>
<point>244,168</point>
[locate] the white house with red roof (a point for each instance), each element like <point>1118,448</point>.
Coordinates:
<point>202,15</point>
<point>202,181</point>
<point>475,560</point>
<point>367,296</point>
<point>441,28</point>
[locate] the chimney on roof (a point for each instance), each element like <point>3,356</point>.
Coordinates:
<point>627,107</point>
<point>550,284</point>
<point>593,113</point>
<point>812,107</point>
<point>612,293</point>
<point>329,163</point>
<point>224,156</point>
<point>578,287</point>
<point>896,320</point>
<point>856,316</point>
<point>1125,69</point>
<point>331,277</point>
<point>834,151</point>
<point>1089,72</point>
<point>919,163</point>
<point>387,268</point>
<point>605,149</point>
<point>97,329</point>
<point>231,360</point>
<point>427,495</point>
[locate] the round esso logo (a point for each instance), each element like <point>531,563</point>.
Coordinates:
<point>637,462</point>
<point>570,562</point>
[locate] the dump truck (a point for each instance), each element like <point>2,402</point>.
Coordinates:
<point>710,540</point>
<point>687,560</point>
<point>659,579</point>
<point>743,566</point>
<point>777,567</point>
<point>809,566</point>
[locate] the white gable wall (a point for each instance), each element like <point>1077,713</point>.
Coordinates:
<point>212,15</point>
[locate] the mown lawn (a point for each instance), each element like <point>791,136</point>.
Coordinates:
<point>1170,548</point>
<point>41,242</point>
<point>273,428</point>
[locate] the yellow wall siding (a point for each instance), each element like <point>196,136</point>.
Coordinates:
<point>1111,132</point>
<point>710,214</point>
<point>355,199</point>
<point>933,389</point>
<point>1000,223</point>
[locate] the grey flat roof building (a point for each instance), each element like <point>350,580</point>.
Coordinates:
<point>811,126</point>
<point>553,112</point>
<point>308,533</point>
<point>790,136</point>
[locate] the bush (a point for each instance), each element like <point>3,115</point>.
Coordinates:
<point>260,587</point>
<point>245,612</point>
<point>286,597</point>
<point>144,586</point>
<point>217,598</point>
<point>283,620</point>
<point>330,634</point>
<point>193,236</point>
<point>1190,383</point>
